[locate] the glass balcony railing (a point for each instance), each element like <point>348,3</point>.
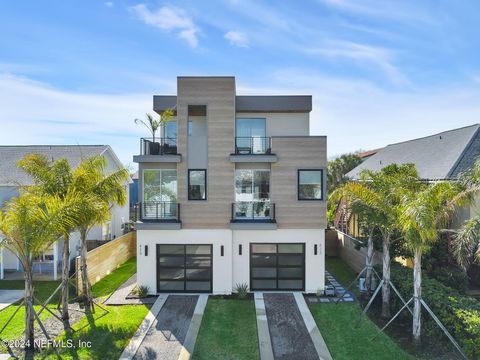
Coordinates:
<point>253,211</point>
<point>161,146</point>
<point>252,145</point>
<point>158,211</point>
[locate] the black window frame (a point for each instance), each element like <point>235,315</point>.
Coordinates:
<point>321,185</point>
<point>188,185</point>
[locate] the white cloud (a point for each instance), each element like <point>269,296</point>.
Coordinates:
<point>171,19</point>
<point>109,3</point>
<point>35,113</point>
<point>357,114</point>
<point>374,56</point>
<point>237,38</point>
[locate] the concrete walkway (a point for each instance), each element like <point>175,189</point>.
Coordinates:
<point>286,328</point>
<point>119,297</point>
<point>8,297</point>
<point>170,329</point>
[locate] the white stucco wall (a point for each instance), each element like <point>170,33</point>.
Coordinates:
<point>283,124</point>
<point>232,268</point>
<point>222,265</point>
<point>314,264</point>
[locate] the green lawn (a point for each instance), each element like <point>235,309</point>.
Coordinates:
<point>228,331</point>
<point>347,333</point>
<point>111,282</point>
<point>109,334</point>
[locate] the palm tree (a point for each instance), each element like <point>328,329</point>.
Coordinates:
<point>30,224</point>
<point>153,124</point>
<point>378,191</point>
<point>54,178</point>
<point>466,245</point>
<point>102,191</point>
<point>352,192</point>
<point>422,215</point>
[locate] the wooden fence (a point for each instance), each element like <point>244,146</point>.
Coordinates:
<point>102,260</point>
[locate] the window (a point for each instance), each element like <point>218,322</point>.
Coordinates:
<point>250,136</point>
<point>197,184</point>
<point>310,184</point>
<point>159,193</point>
<point>252,194</point>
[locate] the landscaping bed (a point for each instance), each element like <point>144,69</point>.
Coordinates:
<point>228,330</point>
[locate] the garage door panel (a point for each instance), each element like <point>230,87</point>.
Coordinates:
<point>171,285</point>
<point>184,268</point>
<point>172,274</point>
<point>277,266</point>
<point>264,272</point>
<point>263,260</point>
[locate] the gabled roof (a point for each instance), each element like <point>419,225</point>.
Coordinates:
<point>437,157</point>
<point>11,175</point>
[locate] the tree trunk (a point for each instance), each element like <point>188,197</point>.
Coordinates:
<point>386,278</point>
<point>29,317</point>
<point>86,288</point>
<point>65,278</point>
<point>369,263</point>
<point>417,295</point>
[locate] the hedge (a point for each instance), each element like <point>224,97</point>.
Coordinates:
<point>459,313</point>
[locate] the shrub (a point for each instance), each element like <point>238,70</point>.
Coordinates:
<point>452,277</point>
<point>241,290</point>
<point>460,314</point>
<point>142,291</point>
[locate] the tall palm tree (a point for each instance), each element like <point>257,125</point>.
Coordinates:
<point>422,215</point>
<point>466,245</point>
<point>153,124</point>
<point>103,191</point>
<point>30,224</point>
<point>54,178</point>
<point>379,192</point>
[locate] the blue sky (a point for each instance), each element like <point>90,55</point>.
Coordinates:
<point>380,71</point>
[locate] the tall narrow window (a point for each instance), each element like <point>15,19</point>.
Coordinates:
<point>310,184</point>
<point>197,184</point>
<point>159,193</point>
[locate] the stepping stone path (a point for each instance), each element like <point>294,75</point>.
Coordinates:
<point>339,290</point>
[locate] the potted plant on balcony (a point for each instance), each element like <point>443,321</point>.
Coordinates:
<point>153,125</point>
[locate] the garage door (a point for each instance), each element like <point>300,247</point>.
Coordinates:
<point>184,268</point>
<point>277,266</point>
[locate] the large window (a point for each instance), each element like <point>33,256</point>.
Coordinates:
<point>159,193</point>
<point>250,135</point>
<point>310,184</point>
<point>197,184</point>
<point>252,194</point>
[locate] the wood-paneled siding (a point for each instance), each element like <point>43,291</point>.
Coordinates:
<point>218,94</point>
<point>309,152</point>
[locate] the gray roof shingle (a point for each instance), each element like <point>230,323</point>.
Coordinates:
<point>436,157</point>
<point>11,175</point>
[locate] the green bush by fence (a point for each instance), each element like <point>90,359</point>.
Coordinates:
<point>459,313</point>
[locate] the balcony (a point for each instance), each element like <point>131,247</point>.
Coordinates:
<point>158,215</point>
<point>253,149</point>
<point>160,150</point>
<point>250,215</point>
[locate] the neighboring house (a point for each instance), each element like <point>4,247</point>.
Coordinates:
<point>369,153</point>
<point>232,193</point>
<point>11,178</point>
<point>437,157</point>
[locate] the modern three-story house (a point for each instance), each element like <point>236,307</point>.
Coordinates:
<point>232,193</point>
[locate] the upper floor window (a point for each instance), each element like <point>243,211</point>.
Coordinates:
<point>252,185</point>
<point>310,184</point>
<point>170,130</point>
<point>250,136</point>
<point>197,184</point>
<point>159,185</point>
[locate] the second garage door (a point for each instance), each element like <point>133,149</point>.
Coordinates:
<point>277,266</point>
